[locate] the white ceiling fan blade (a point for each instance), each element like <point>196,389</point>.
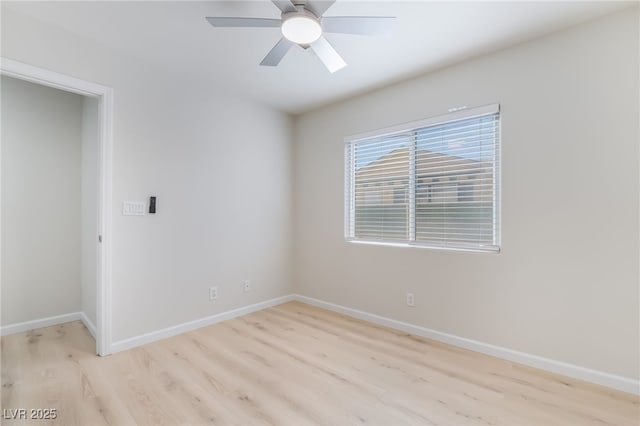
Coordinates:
<point>276,54</point>
<point>244,22</point>
<point>318,7</point>
<point>285,6</point>
<point>328,55</point>
<point>362,25</point>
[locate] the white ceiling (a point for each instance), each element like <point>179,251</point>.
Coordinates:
<point>426,36</point>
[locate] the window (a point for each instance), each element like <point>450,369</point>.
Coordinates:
<point>400,195</point>
<point>432,183</point>
<point>465,192</point>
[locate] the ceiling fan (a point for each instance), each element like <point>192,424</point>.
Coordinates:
<point>302,23</point>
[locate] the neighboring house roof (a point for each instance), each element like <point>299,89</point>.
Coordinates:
<point>429,164</point>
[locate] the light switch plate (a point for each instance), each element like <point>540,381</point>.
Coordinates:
<point>133,208</point>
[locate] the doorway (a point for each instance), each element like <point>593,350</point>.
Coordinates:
<point>92,241</point>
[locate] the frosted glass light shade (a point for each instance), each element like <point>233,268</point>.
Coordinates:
<point>301,29</point>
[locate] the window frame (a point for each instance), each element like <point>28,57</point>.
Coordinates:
<point>350,181</point>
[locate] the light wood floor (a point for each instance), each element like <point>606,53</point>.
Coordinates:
<point>291,365</point>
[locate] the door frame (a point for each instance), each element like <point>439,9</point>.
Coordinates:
<point>104,95</point>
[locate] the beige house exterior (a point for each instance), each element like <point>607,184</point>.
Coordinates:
<point>464,187</point>
<point>440,178</point>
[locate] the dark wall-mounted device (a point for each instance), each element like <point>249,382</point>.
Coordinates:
<point>152,205</point>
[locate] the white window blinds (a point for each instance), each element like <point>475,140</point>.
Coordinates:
<point>431,183</point>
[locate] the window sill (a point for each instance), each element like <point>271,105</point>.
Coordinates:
<point>491,250</point>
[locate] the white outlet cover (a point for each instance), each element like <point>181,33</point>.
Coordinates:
<point>133,208</point>
<point>411,300</point>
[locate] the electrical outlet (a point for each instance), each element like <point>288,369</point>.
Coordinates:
<point>247,285</point>
<point>213,293</point>
<point>411,301</point>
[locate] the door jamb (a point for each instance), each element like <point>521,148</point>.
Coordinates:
<point>104,95</point>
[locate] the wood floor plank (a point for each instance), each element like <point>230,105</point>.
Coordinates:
<point>353,367</point>
<point>292,364</point>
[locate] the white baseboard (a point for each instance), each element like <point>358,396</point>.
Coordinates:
<point>87,323</point>
<point>601,378</point>
<point>133,342</point>
<point>589,375</point>
<point>39,323</point>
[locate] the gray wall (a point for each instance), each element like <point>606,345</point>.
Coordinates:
<point>219,164</point>
<point>41,140</point>
<point>565,286</point>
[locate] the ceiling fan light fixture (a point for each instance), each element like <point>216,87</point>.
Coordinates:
<point>302,23</point>
<point>301,28</point>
